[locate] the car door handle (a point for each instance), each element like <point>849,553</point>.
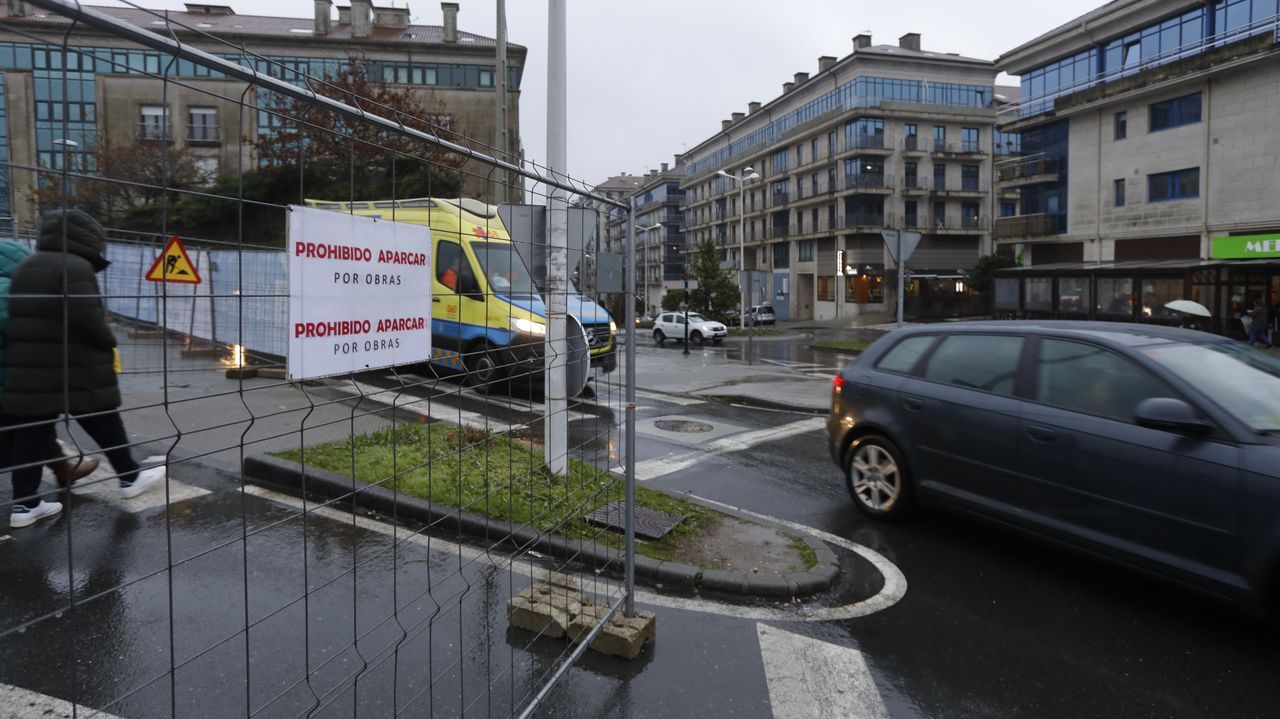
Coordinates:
<point>1041,434</point>
<point>913,403</point>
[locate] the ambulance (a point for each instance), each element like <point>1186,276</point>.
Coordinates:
<point>487,316</point>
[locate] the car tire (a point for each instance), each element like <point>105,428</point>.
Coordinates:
<point>484,371</point>
<point>717,340</point>
<point>659,337</point>
<point>877,478</point>
<point>696,338</point>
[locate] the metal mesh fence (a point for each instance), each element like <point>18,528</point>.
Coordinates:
<point>328,543</point>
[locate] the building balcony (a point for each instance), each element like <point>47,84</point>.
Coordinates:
<point>869,145</point>
<point>941,188</point>
<point>1037,225</point>
<point>960,225</point>
<point>958,150</point>
<point>871,184</point>
<point>915,185</point>
<point>778,232</point>
<point>155,131</point>
<point>916,223</point>
<point>913,145</point>
<point>779,198</point>
<point>204,135</point>
<point>1028,170</point>
<point>864,221</point>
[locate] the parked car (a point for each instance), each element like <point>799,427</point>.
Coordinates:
<point>671,325</point>
<point>761,315</point>
<point>1154,447</point>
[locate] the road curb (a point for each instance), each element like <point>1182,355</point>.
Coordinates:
<point>294,479</point>
<point>764,403</point>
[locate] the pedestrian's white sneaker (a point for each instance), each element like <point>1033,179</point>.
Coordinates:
<point>146,479</point>
<point>21,516</point>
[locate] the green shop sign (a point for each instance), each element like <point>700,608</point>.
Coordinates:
<point>1245,247</point>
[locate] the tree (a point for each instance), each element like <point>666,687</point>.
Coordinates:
<point>129,185</point>
<point>716,289</point>
<point>345,155</point>
<point>980,278</point>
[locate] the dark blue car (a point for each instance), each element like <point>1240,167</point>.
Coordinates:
<point>1152,446</point>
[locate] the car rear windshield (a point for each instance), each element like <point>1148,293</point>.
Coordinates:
<point>1242,380</point>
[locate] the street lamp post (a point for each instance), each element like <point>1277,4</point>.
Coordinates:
<point>644,265</point>
<point>748,174</point>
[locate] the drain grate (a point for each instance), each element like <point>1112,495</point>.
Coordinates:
<point>650,523</point>
<point>682,425</point>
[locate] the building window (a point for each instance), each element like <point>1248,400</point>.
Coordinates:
<point>939,176</point>
<point>826,289</point>
<point>1008,209</point>
<point>912,214</point>
<point>813,226</point>
<point>912,173</point>
<point>1179,111</point>
<point>969,215</point>
<point>1132,54</point>
<point>831,144</point>
<point>969,178</point>
<point>799,155</point>
<point>153,123</point>
<point>1119,192</point>
<point>940,215</point>
<point>911,134</point>
<point>202,124</point>
<point>1122,125</point>
<point>1178,185</point>
<point>779,162</point>
<point>970,140</point>
<point>782,255</point>
<point>804,251</point>
<point>486,78</point>
<point>206,169</point>
<point>813,183</point>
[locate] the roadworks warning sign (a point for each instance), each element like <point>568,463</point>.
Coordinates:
<point>173,265</point>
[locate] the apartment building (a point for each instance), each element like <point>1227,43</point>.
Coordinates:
<point>57,104</point>
<point>890,136</point>
<point>1148,167</point>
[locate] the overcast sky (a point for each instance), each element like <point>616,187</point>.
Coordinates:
<point>650,78</point>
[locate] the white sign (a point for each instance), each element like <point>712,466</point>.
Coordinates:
<point>359,293</point>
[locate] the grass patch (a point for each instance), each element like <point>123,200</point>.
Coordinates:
<point>498,477</point>
<point>845,345</point>
<point>807,555</point>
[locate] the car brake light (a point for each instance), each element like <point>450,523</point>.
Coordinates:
<point>837,384</point>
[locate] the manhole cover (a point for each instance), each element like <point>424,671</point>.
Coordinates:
<point>650,523</point>
<point>682,425</point>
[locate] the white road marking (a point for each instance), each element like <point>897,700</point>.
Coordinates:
<point>811,678</point>
<point>895,584</point>
<point>102,486</point>
<point>791,365</point>
<point>658,467</point>
<point>19,703</point>
<point>418,405</point>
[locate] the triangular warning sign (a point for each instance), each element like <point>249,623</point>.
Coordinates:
<point>173,265</point>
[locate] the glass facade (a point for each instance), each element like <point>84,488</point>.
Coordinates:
<point>1050,198</point>
<point>65,95</point>
<point>861,92</point>
<point>1216,23</point>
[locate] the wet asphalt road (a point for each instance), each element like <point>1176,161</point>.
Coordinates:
<point>990,625</point>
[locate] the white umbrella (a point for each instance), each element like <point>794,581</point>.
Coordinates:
<point>1189,307</point>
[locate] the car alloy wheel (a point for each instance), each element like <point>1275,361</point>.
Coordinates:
<point>696,337</point>
<point>877,477</point>
<point>659,337</point>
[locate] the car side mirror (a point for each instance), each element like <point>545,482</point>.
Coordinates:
<point>1170,415</point>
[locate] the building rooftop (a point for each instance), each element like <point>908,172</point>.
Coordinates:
<point>903,52</point>
<point>621,183</point>
<point>222,21</point>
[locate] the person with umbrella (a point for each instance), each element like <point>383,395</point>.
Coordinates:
<point>1189,310</point>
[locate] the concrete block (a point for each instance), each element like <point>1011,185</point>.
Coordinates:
<point>242,372</point>
<point>147,334</point>
<point>545,609</point>
<point>272,372</point>
<point>202,352</point>
<point>622,636</point>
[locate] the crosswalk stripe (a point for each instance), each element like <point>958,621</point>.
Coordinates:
<point>812,678</point>
<point>658,467</point>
